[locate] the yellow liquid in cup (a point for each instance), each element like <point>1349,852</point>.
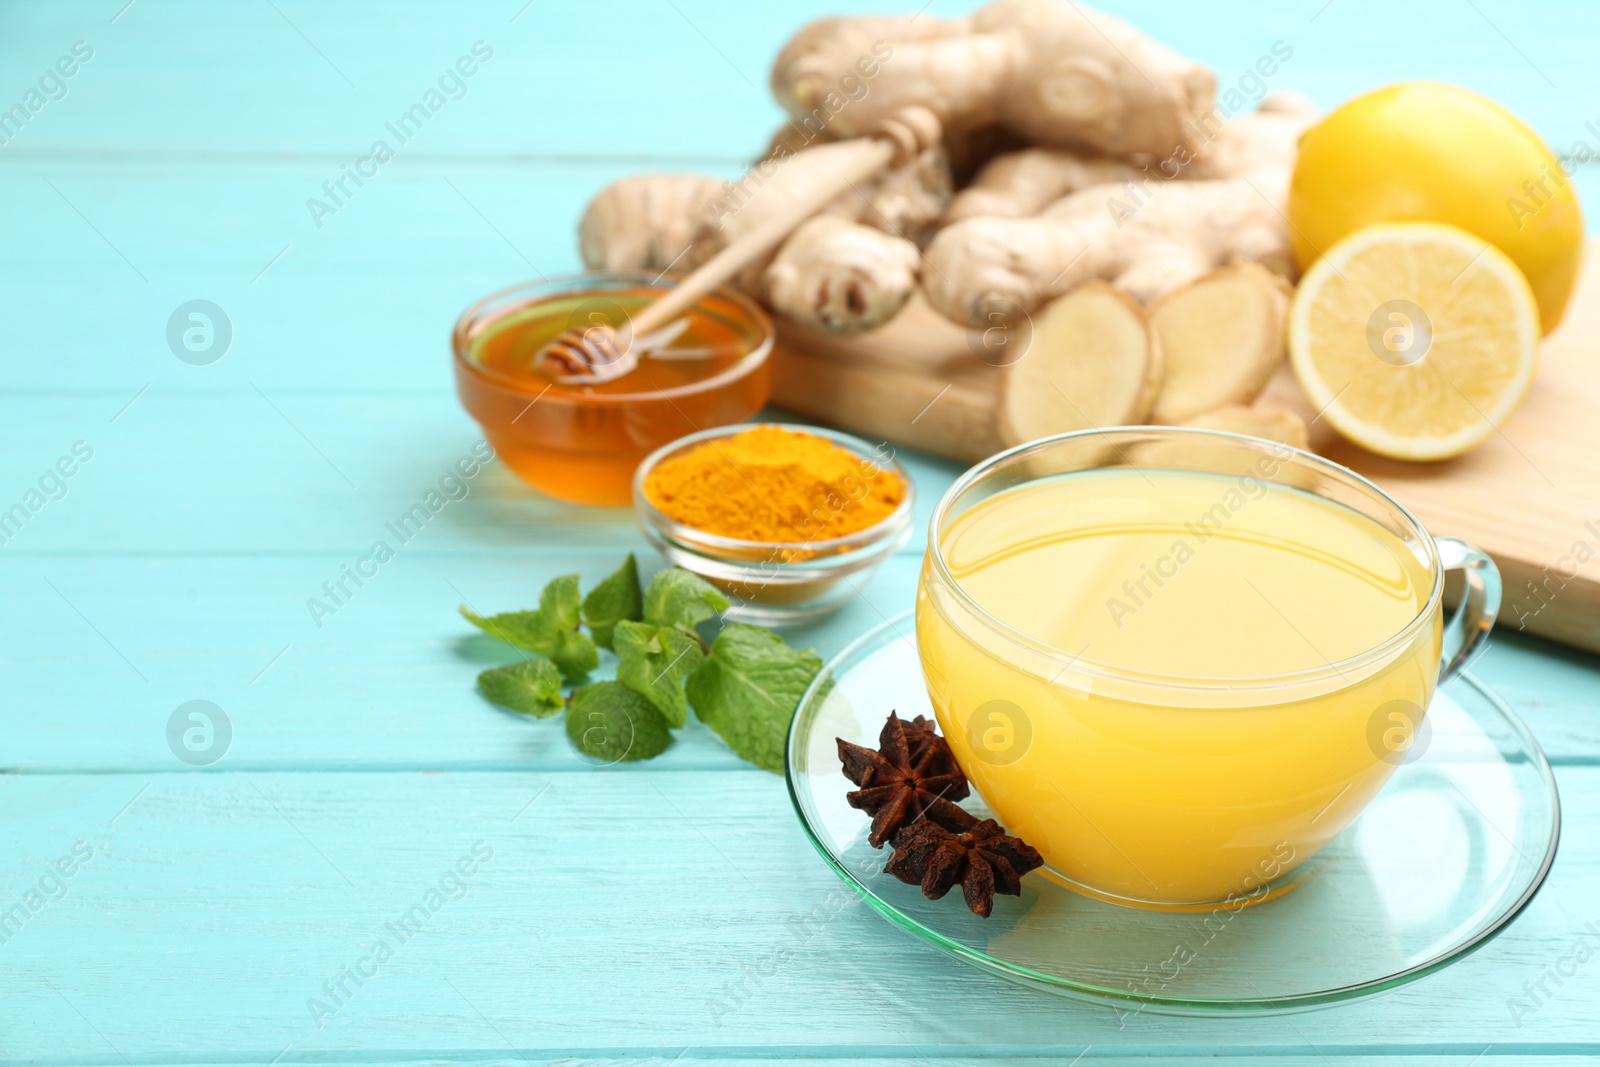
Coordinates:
<point>1208,784</point>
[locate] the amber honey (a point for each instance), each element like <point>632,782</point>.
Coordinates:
<point>583,442</point>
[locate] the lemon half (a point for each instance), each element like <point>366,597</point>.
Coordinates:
<point>1416,340</point>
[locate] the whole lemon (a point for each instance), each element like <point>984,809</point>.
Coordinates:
<point>1425,151</point>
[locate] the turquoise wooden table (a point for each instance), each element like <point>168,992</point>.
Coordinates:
<point>210,910</point>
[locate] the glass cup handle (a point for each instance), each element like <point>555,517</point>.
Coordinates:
<point>1467,629</point>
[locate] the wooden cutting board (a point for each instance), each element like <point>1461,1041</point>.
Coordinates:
<point>1529,496</point>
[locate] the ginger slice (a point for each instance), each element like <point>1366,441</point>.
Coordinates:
<point>1278,425</point>
<point>1093,361</point>
<point>1273,424</point>
<point>1222,337</point>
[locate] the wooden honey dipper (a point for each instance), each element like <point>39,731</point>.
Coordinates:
<point>594,354</point>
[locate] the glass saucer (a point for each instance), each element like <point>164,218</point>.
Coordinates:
<point>1453,848</point>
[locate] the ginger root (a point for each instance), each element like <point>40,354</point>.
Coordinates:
<point>1147,247</point>
<point>1149,230</point>
<point>1021,183</point>
<point>908,202</point>
<point>905,201</point>
<point>846,278</point>
<point>968,150</point>
<point>841,276</point>
<point>1266,139</point>
<point>1159,192</point>
<point>1054,72</point>
<point>646,222</point>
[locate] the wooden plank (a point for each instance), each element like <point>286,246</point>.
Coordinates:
<point>238,470</point>
<point>315,79</point>
<point>99,652</point>
<point>201,579</point>
<point>241,471</point>
<point>918,379</point>
<point>387,681</point>
<point>888,383</point>
<point>620,915</point>
<point>365,302</point>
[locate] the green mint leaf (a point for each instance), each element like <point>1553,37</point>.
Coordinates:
<point>528,630</point>
<point>680,599</point>
<point>559,602</point>
<point>617,598</point>
<point>611,722</point>
<point>532,687</point>
<point>574,654</point>
<point>551,630</point>
<point>748,688</point>
<point>653,662</point>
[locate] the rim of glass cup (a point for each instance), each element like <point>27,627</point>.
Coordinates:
<point>1085,665</point>
<point>829,549</point>
<point>557,285</point>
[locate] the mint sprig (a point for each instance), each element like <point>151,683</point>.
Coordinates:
<point>746,686</point>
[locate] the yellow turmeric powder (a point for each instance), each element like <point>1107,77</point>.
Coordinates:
<point>773,484</point>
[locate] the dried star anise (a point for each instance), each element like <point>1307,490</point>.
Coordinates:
<point>982,858</point>
<point>913,775</point>
<point>920,733</point>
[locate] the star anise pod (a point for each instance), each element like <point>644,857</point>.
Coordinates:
<point>983,858</point>
<point>922,741</point>
<point>920,733</point>
<point>913,775</point>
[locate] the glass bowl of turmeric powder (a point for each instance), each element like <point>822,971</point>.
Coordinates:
<point>788,521</point>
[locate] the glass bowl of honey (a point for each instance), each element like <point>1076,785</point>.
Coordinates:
<point>583,442</point>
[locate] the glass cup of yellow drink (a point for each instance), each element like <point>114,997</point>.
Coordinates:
<point>1179,662</point>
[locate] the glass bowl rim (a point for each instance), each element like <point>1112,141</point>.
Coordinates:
<point>557,285</point>
<point>827,549</point>
<point>1096,668</point>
